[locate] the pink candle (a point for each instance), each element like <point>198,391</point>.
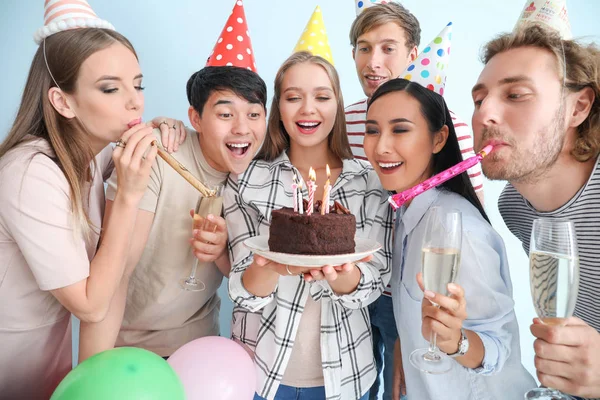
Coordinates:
<point>312,187</point>
<point>399,199</point>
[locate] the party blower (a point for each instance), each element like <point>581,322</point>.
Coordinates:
<point>399,199</point>
<point>179,168</point>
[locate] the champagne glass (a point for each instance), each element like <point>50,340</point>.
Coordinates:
<point>553,278</point>
<point>206,205</point>
<point>441,259</point>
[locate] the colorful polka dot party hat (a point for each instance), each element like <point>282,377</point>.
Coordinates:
<point>361,5</point>
<point>429,68</point>
<point>62,15</point>
<point>314,38</point>
<point>549,13</point>
<point>234,47</point>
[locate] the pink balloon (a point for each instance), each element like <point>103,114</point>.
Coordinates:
<point>215,367</point>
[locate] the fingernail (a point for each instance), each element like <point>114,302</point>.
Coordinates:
<point>452,286</point>
<point>429,294</point>
<point>196,231</point>
<point>210,217</point>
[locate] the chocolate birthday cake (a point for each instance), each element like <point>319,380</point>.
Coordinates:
<point>314,234</point>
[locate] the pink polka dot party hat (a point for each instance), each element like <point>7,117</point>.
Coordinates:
<point>430,67</point>
<point>234,47</point>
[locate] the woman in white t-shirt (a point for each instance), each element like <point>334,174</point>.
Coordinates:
<point>83,92</point>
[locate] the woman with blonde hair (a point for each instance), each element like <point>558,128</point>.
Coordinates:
<point>309,329</point>
<point>57,256</point>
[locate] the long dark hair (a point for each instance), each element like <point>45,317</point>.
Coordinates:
<point>436,113</point>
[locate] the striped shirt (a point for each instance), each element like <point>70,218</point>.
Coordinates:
<point>356,116</point>
<point>269,325</point>
<point>584,210</point>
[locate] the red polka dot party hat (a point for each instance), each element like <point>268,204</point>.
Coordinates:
<point>234,47</point>
<point>430,67</point>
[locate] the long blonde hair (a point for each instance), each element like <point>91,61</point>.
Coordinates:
<point>65,52</point>
<point>277,139</point>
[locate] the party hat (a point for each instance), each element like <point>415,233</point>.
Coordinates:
<point>61,15</point>
<point>549,13</point>
<point>314,37</point>
<point>429,68</point>
<point>361,5</point>
<point>234,47</point>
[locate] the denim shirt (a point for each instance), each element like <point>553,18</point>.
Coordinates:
<point>484,275</point>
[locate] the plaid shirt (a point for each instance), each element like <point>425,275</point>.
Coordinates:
<point>269,324</point>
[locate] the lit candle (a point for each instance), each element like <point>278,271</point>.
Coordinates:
<point>300,200</point>
<point>326,193</point>
<point>312,187</point>
<point>295,193</point>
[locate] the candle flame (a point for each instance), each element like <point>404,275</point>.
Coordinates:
<point>312,175</point>
<point>328,171</point>
<point>300,184</point>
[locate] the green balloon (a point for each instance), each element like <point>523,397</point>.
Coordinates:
<point>121,373</point>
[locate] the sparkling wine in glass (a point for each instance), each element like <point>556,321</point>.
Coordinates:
<point>441,260</point>
<point>553,278</point>
<point>206,205</point>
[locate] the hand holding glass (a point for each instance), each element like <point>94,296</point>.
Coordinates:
<point>553,278</point>
<point>205,206</point>
<point>441,260</point>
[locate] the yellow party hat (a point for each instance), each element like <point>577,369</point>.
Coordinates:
<point>314,37</point>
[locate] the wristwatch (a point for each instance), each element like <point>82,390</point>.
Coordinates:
<point>463,345</point>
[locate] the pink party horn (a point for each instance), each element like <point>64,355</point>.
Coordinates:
<point>399,199</point>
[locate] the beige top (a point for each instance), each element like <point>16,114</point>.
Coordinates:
<point>39,251</point>
<point>305,368</point>
<point>160,316</point>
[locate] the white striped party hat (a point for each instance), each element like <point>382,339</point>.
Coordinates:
<point>61,15</point>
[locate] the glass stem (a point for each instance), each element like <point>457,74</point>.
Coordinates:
<point>194,268</point>
<point>433,340</point>
<point>433,343</point>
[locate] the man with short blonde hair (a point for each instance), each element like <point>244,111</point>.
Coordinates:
<point>537,101</point>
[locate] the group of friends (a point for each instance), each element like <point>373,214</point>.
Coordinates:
<point>113,257</point>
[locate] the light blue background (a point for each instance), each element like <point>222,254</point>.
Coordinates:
<point>174,38</point>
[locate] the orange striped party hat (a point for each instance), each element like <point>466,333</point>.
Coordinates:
<point>61,15</point>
